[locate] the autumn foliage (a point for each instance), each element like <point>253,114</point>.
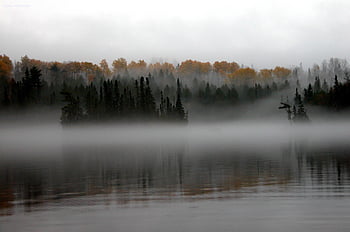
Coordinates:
<point>194,67</point>
<point>105,68</point>
<point>60,71</point>
<point>141,64</point>
<point>265,74</point>
<point>119,65</point>
<point>281,72</point>
<point>225,68</point>
<point>243,73</point>
<point>5,67</point>
<point>162,66</point>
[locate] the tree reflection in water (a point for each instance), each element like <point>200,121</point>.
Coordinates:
<point>90,175</point>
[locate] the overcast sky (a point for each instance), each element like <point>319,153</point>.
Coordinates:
<point>262,33</point>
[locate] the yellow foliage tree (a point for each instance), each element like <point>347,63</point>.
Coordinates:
<point>90,70</point>
<point>281,72</point>
<point>26,62</point>
<point>162,66</point>
<point>225,68</point>
<point>73,67</point>
<point>194,67</point>
<point>204,68</point>
<point>265,74</point>
<point>141,64</point>
<point>119,65</point>
<point>104,68</point>
<point>243,74</point>
<point>5,67</point>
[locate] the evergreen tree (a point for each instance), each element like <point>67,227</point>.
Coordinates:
<point>32,85</point>
<point>299,113</point>
<point>207,94</point>
<point>27,87</point>
<point>150,104</point>
<point>308,94</point>
<point>142,98</point>
<point>180,111</point>
<point>138,100</point>
<point>91,102</point>
<point>72,111</point>
<point>297,97</point>
<point>116,98</point>
<point>162,109</point>
<point>232,95</point>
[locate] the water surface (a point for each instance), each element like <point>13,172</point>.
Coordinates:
<point>202,177</point>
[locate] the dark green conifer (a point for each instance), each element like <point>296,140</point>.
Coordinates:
<point>180,111</point>
<point>72,111</point>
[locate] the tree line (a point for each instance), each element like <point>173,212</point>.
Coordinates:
<point>336,97</point>
<point>114,100</point>
<point>161,95</point>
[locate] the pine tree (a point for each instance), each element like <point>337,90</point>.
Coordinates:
<point>138,100</point>
<point>308,94</point>
<point>142,98</point>
<point>91,102</point>
<point>162,106</point>
<point>149,100</point>
<point>131,103</point>
<point>207,94</point>
<point>297,97</point>
<point>299,113</point>
<point>180,111</point>
<point>72,111</point>
<point>116,98</point>
<point>36,83</point>
<point>27,87</point>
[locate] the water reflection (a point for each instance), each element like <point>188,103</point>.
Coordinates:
<point>92,174</point>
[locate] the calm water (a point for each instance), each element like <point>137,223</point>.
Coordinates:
<point>224,177</point>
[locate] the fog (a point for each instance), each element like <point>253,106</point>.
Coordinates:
<point>263,34</point>
<point>254,127</point>
<point>253,173</point>
<point>252,135</point>
<point>258,123</point>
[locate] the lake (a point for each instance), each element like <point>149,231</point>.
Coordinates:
<point>232,176</point>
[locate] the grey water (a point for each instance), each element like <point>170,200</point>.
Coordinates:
<point>232,176</point>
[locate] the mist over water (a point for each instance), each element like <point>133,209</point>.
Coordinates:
<point>244,134</point>
<point>249,170</point>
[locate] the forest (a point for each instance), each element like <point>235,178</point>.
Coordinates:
<point>137,91</point>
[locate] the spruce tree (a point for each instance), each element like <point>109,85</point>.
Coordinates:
<point>116,98</point>
<point>298,109</point>
<point>138,100</point>
<point>72,111</point>
<point>149,100</point>
<point>180,111</point>
<point>142,98</point>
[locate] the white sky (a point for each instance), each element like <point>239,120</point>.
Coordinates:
<point>263,33</point>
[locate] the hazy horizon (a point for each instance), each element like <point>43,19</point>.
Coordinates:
<point>253,33</point>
